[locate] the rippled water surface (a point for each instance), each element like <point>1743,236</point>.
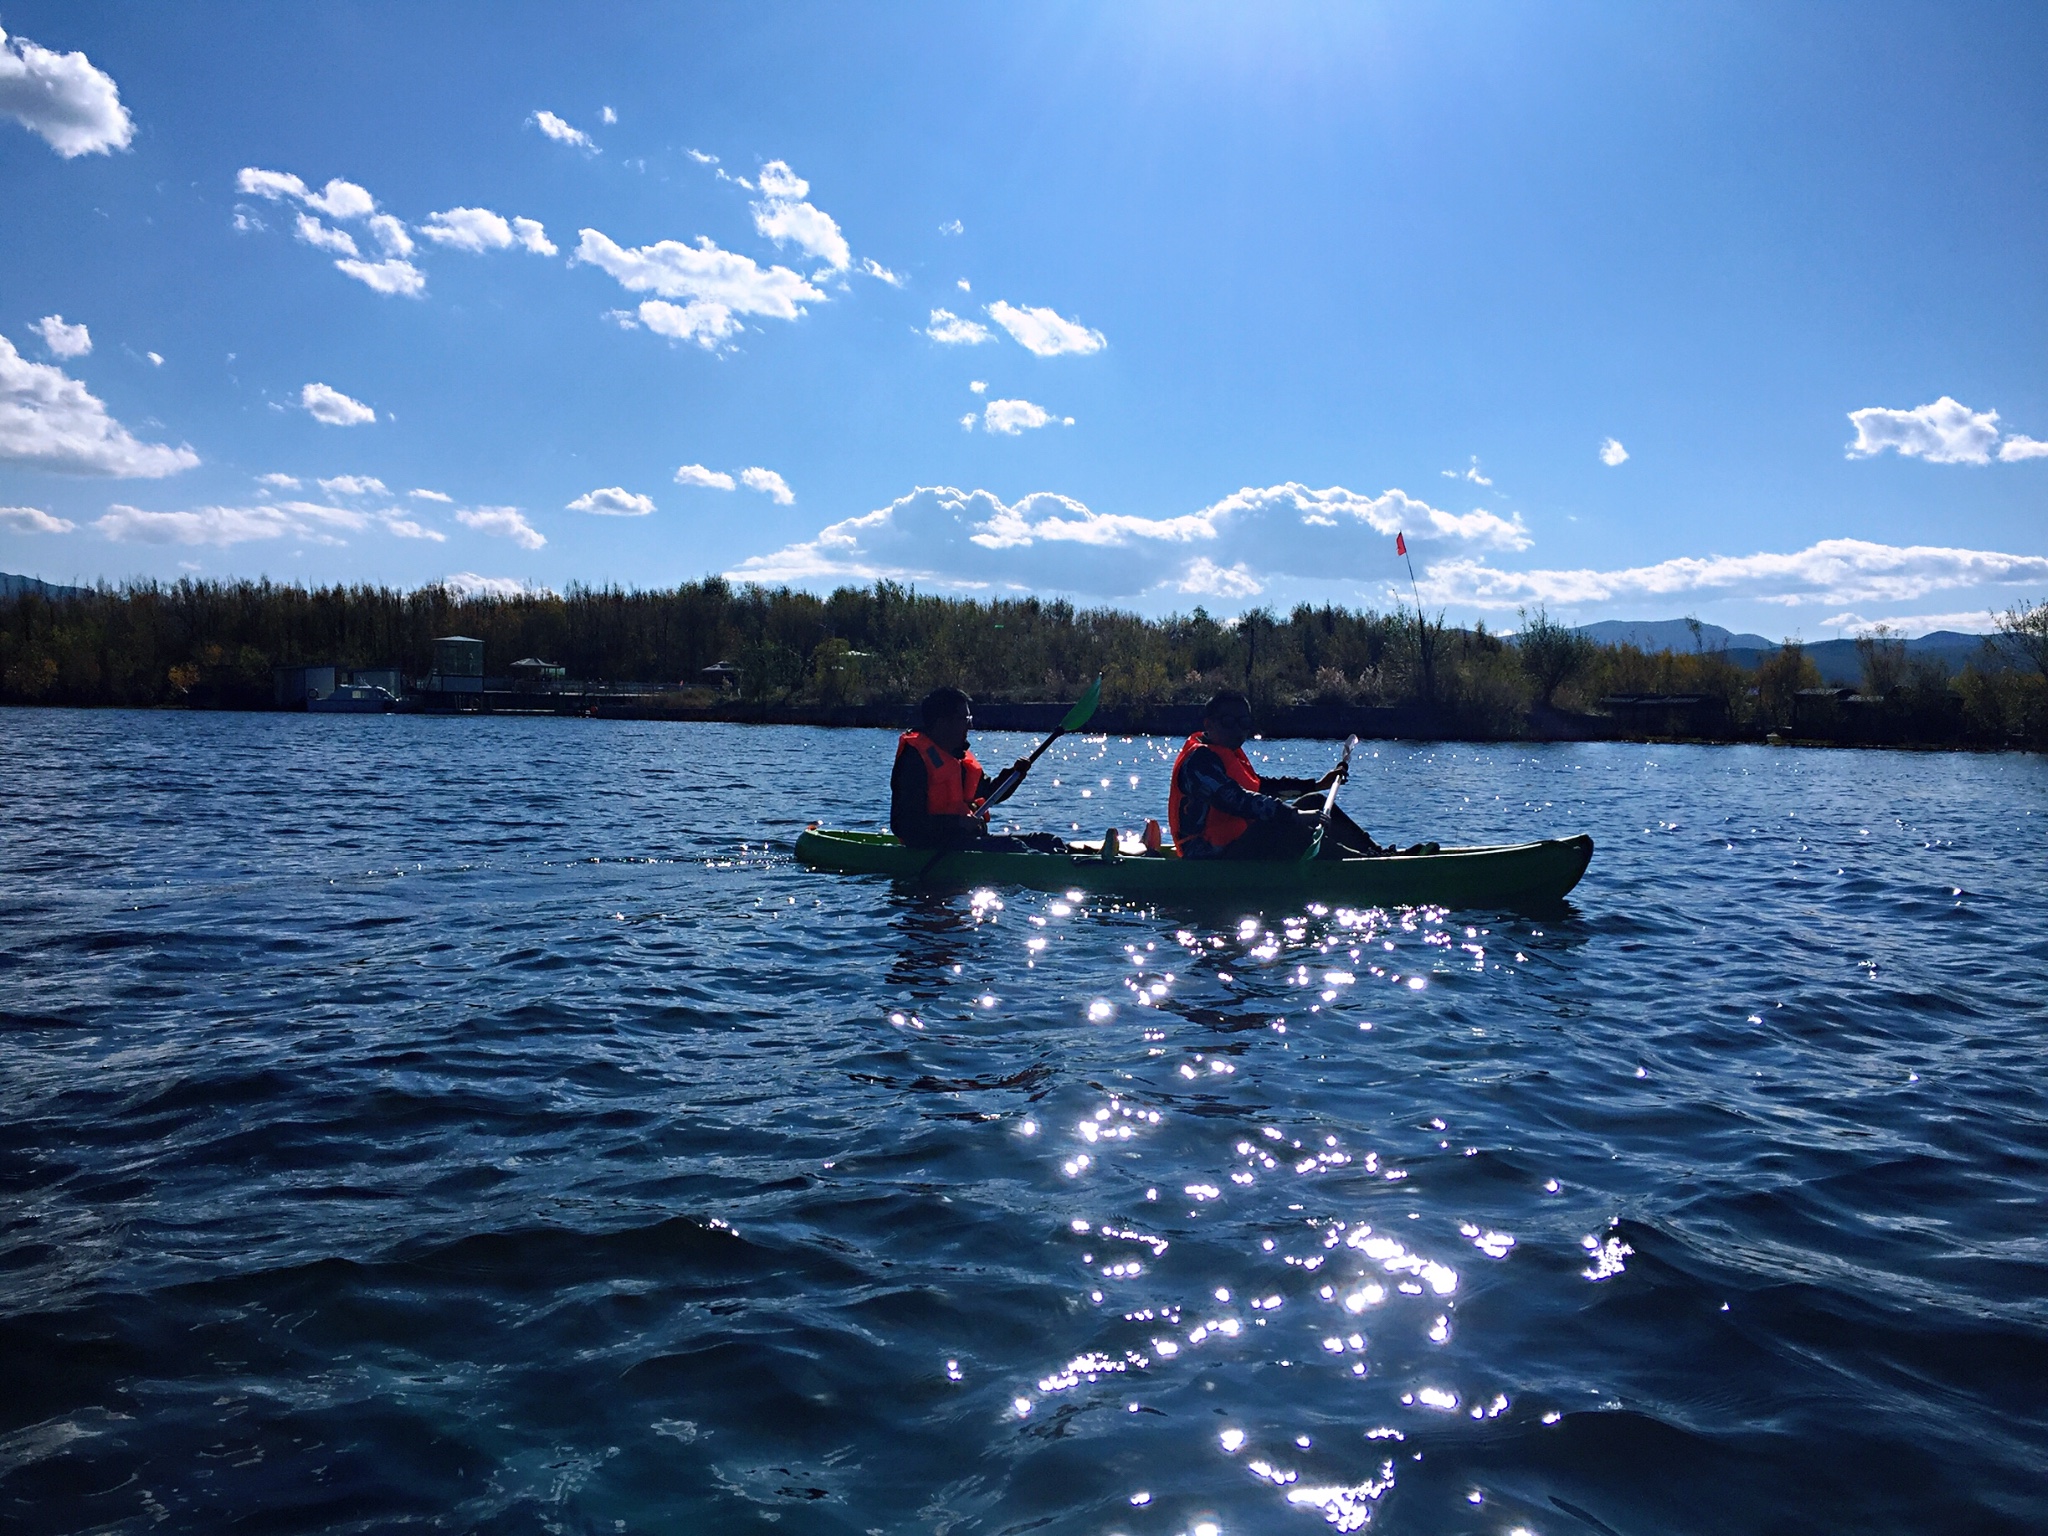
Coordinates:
<point>487,1124</point>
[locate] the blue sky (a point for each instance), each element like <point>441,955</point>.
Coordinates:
<point>1634,311</point>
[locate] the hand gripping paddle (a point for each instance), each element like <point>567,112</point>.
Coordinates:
<point>1315,844</point>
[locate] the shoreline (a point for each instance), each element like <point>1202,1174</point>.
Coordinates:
<point>1300,722</point>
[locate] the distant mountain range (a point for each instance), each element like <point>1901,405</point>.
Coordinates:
<point>1837,660</point>
<point>20,586</point>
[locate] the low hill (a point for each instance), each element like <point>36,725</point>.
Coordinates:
<point>22,586</point>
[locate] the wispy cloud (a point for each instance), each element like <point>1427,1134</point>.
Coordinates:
<point>351,485</point>
<point>33,520</point>
<point>769,484</point>
<point>1835,572</point>
<point>504,523</point>
<point>880,273</point>
<point>559,130</point>
<point>426,495</point>
<point>1010,417</point>
<point>709,479</point>
<point>64,341</point>
<point>1044,332</point>
<point>394,277</point>
<point>1471,474</point>
<point>222,526</point>
<point>613,501</point>
<point>72,106</point>
<point>48,420</point>
<point>331,407</point>
<point>324,237</point>
<point>784,217</point>
<point>717,285</point>
<point>955,331</point>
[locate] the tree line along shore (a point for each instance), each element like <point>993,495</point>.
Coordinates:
<point>711,649</point>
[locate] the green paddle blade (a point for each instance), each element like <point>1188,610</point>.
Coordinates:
<point>1084,707</point>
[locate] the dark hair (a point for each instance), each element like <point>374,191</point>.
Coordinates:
<point>942,704</point>
<point>1225,702</point>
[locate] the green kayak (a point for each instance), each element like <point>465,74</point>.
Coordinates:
<point>1514,875</point>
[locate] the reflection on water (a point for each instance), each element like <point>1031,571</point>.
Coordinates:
<point>526,1142</point>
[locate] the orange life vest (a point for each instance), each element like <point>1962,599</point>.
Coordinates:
<point>1221,827</point>
<point>951,784</point>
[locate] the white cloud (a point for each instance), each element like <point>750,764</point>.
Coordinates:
<point>468,229</point>
<point>504,522</point>
<point>978,386</point>
<point>530,234</point>
<point>63,340</point>
<point>469,584</point>
<point>1970,621</point>
<point>2017,447</point>
<point>49,420</point>
<point>424,495</point>
<point>700,321</point>
<point>156,359</point>
<point>769,484</point>
<point>406,528</point>
<point>613,501</point>
<point>939,536</point>
<point>788,220</point>
<point>353,485</point>
<point>314,233</point>
<point>717,285</point>
<point>880,273</point>
<point>1205,578</point>
<point>952,227</point>
<point>228,525</point>
<point>1011,417</point>
<point>1946,432</point>
<point>700,157</point>
<point>332,408</point>
<point>395,277</point>
<point>247,222</point>
<point>608,117</point>
<point>75,108</point>
<point>1612,453</point>
<point>710,479</point>
<point>969,420</point>
<point>955,331</point>
<point>1045,333</point>
<point>33,520</point>
<point>963,285</point>
<point>391,234</point>
<point>278,482</point>
<point>338,199</point>
<point>1473,474</point>
<point>558,130</point>
<point>1837,572</point>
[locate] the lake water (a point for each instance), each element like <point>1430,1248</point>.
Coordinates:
<point>486,1124</point>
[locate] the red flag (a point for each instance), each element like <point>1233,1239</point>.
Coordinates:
<point>1400,544</point>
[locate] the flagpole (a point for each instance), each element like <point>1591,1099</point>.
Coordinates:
<point>1401,543</point>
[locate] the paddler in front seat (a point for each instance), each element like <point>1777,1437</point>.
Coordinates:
<point>938,790</point>
<point>1220,808</point>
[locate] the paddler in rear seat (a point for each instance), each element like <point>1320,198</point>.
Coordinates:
<point>938,790</point>
<point>1220,808</point>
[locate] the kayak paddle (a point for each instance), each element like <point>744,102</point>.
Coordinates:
<point>1315,844</point>
<point>1082,712</point>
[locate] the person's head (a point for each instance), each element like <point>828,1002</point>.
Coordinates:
<point>1227,718</point>
<point>945,716</point>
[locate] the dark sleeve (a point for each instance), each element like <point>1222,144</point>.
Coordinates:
<point>1203,774</point>
<point>1286,788</point>
<point>908,818</point>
